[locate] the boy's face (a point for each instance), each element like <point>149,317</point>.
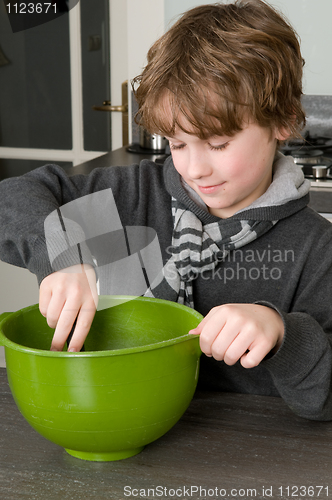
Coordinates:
<point>228,173</point>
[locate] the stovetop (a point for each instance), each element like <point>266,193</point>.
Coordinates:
<point>314,154</point>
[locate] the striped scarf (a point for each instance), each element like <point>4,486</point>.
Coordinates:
<point>198,248</point>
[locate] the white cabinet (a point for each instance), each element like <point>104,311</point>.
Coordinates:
<point>19,288</point>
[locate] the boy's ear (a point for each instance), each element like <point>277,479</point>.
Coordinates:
<point>282,134</point>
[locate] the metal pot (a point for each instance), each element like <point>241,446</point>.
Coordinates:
<point>153,142</point>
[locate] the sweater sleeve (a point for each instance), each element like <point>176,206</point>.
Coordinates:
<point>50,221</point>
<point>32,229</point>
<point>26,202</point>
<point>301,369</point>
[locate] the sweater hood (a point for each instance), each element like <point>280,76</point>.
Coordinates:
<point>287,194</point>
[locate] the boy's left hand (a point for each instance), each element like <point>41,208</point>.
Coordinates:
<point>245,332</point>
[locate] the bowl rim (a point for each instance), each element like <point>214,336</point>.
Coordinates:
<point>7,343</point>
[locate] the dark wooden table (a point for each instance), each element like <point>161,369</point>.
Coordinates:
<point>225,446</point>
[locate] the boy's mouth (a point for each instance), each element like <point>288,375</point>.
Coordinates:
<point>210,189</point>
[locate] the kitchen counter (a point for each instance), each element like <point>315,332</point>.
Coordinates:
<point>245,446</point>
<point>118,157</point>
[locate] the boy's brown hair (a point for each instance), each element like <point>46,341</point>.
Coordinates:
<point>220,65</point>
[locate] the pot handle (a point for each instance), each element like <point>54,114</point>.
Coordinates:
<point>3,316</point>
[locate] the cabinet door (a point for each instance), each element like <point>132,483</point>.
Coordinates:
<point>51,75</point>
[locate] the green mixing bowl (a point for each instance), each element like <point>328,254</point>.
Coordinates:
<point>132,383</point>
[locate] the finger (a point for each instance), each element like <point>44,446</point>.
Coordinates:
<point>81,331</point>
<point>212,340</point>
<point>205,320</point>
<point>45,296</point>
<point>85,277</point>
<point>255,355</point>
<point>64,326</point>
<point>82,328</point>
<point>235,351</point>
<point>54,309</point>
<point>222,343</point>
<point>83,315</point>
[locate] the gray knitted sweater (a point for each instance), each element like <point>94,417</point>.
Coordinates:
<point>289,268</point>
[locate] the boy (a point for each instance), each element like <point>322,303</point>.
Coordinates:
<point>237,238</point>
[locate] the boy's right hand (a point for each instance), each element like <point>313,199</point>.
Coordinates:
<point>63,297</point>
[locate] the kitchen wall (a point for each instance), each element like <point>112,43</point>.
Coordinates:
<point>312,21</point>
<point>145,24</point>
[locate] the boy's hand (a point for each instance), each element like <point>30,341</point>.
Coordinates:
<point>65,295</point>
<point>245,332</point>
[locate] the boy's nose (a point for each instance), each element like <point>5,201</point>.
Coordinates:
<point>198,167</point>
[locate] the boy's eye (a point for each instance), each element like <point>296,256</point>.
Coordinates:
<point>177,146</point>
<point>219,147</point>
